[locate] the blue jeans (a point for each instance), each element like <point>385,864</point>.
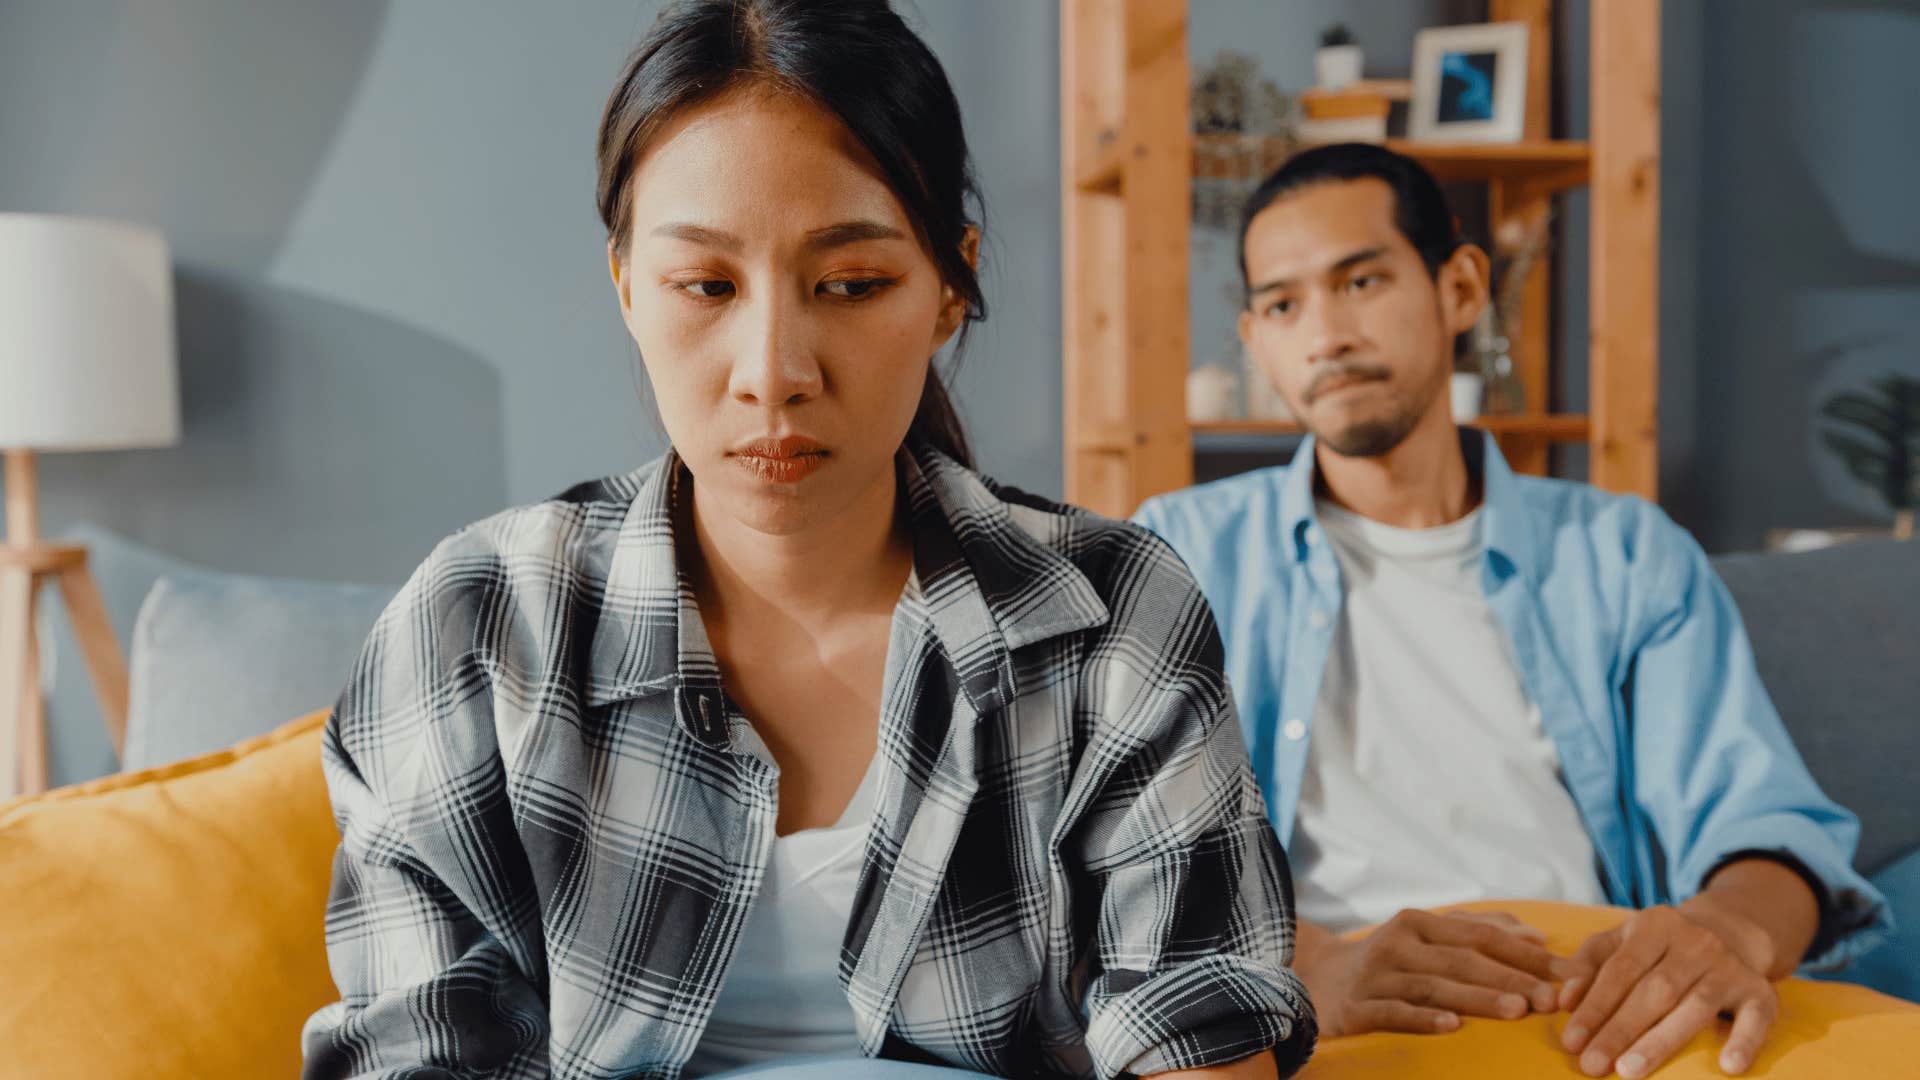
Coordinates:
<point>826,1067</point>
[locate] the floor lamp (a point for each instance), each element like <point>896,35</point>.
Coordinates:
<point>86,363</point>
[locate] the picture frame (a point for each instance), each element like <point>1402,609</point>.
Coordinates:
<point>1469,84</point>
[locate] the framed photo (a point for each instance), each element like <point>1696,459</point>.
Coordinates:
<point>1469,83</point>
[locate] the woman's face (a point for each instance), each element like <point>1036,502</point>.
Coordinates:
<point>784,307</point>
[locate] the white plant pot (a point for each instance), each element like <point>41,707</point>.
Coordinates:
<point>1467,388</point>
<point>1211,391</point>
<point>1337,65</point>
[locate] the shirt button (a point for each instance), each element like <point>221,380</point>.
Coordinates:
<point>1318,619</point>
<point>1295,730</point>
<point>1313,535</point>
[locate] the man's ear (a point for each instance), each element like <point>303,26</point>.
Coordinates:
<point>1463,281</point>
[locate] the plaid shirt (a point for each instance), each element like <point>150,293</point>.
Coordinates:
<point>552,833</point>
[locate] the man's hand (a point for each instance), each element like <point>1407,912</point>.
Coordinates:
<point>1645,988</point>
<point>1420,972</point>
<point>1642,991</point>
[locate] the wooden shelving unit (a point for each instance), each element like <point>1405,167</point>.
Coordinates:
<point>1546,166</point>
<point>1129,160</point>
<point>1552,428</point>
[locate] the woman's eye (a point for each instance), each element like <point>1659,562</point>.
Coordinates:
<point>855,288</point>
<point>1280,308</point>
<point>710,289</point>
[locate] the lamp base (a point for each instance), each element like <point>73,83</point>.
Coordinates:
<point>25,565</point>
<point>23,728</point>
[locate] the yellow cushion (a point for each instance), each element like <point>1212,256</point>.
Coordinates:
<point>1824,1029</point>
<point>169,923</point>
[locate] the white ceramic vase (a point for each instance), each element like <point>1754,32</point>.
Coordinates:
<point>1467,387</point>
<point>1336,66</point>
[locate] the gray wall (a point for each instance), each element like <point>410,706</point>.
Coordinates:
<point>1809,249</point>
<point>393,306</point>
<point>394,316</point>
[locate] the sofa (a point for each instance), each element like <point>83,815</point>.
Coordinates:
<point>107,968</point>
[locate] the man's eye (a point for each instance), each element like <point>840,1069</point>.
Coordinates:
<point>1365,281</point>
<point>1280,308</point>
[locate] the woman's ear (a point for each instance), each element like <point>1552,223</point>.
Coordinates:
<point>621,286</point>
<point>953,306</point>
<point>1464,288</point>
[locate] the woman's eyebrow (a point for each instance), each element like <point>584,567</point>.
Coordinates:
<point>698,234</point>
<point>831,236</point>
<point>852,232</point>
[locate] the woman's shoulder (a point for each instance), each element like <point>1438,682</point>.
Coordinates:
<point>1135,573</point>
<point>573,530</point>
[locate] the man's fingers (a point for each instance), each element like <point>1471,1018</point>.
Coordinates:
<point>1386,1015</point>
<point>1608,989</point>
<point>1696,1012</point>
<point>1505,921</point>
<point>1751,1022</point>
<point>1502,945</point>
<point>1478,969</point>
<point>1654,996</point>
<point>1439,992</point>
<point>1586,962</point>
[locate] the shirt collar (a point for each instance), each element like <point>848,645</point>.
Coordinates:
<point>991,573</point>
<point>1510,540</point>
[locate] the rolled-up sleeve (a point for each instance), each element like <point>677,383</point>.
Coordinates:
<point>427,989</point>
<point>1715,769</point>
<point>1190,952</point>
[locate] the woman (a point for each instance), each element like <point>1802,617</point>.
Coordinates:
<point>804,739</point>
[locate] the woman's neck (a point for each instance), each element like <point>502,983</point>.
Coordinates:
<point>856,562</point>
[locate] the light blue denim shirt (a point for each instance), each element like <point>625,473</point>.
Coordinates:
<point>1626,640</point>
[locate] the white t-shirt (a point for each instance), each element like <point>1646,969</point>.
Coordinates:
<point>1429,779</point>
<point>782,995</point>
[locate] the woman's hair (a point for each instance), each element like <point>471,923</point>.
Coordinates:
<point>857,60</point>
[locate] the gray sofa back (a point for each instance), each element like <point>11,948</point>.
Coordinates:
<point>1836,633</point>
<point>218,658</point>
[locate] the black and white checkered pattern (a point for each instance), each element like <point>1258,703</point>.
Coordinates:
<point>552,832</point>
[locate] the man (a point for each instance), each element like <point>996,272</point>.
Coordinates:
<point>1458,683</point>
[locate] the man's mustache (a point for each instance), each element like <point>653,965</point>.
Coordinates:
<point>1344,371</point>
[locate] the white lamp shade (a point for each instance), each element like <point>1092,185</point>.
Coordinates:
<point>86,335</point>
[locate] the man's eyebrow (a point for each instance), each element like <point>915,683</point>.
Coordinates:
<point>1344,263</point>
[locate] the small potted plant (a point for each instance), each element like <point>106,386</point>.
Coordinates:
<point>1879,442</point>
<point>1338,61</point>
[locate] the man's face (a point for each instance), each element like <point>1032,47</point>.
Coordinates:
<point>1345,319</point>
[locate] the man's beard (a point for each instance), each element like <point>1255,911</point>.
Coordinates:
<point>1371,437</point>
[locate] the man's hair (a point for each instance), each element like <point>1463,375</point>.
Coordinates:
<point>1420,207</point>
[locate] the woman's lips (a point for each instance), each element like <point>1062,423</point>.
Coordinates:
<point>782,461</point>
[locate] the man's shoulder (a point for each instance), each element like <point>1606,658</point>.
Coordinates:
<point>1208,510</point>
<point>1617,538</point>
